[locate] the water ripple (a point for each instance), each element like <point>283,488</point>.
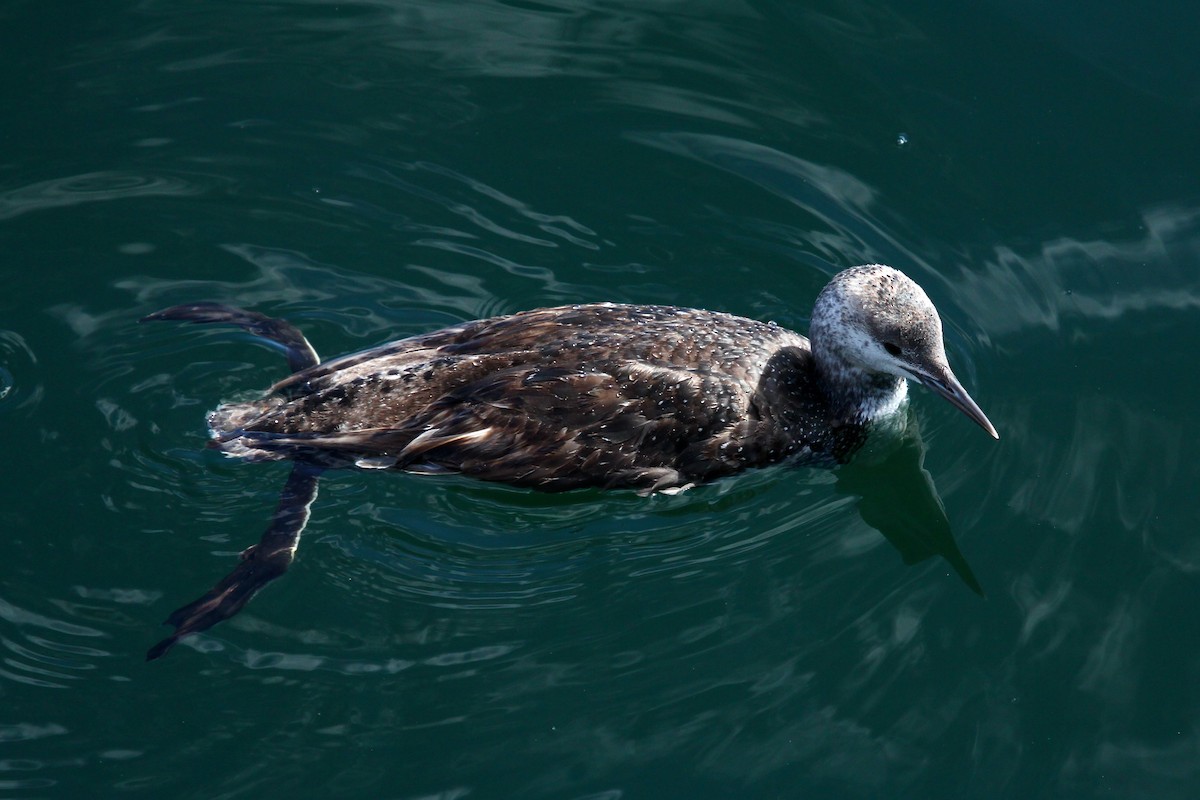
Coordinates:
<point>20,389</point>
<point>46,661</point>
<point>1100,279</point>
<point>846,226</point>
<point>90,187</point>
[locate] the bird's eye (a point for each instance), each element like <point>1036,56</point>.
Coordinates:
<point>892,348</point>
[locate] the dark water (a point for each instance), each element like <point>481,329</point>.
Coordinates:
<point>374,169</point>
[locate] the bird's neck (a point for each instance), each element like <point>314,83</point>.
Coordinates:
<point>858,394</point>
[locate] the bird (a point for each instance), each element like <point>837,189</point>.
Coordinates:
<point>650,398</point>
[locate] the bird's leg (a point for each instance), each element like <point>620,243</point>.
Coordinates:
<point>258,565</point>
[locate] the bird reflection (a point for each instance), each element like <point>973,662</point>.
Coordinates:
<point>898,498</point>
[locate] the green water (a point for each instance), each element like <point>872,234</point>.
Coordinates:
<point>377,169</point>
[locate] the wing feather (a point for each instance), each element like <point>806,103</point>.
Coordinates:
<point>616,424</point>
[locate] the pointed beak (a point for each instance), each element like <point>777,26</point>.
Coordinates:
<point>948,387</point>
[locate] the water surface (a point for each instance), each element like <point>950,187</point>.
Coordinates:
<point>377,169</point>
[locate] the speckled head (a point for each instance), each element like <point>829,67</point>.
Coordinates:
<point>874,321</point>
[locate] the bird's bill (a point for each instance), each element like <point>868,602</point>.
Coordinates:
<point>948,387</point>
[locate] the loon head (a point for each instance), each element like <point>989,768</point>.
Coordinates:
<point>874,321</point>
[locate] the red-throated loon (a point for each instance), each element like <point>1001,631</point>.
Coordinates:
<point>652,398</point>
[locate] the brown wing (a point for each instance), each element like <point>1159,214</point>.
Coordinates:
<point>616,425</point>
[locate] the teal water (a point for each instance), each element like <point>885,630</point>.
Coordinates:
<point>377,169</point>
